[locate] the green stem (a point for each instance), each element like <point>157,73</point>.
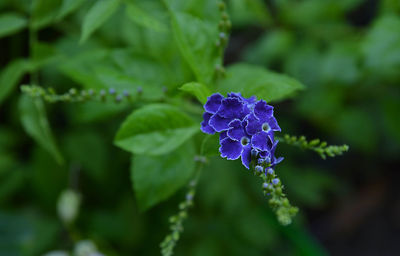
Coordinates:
<point>34,76</point>
<point>176,227</point>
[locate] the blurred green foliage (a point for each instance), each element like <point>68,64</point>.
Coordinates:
<point>346,53</point>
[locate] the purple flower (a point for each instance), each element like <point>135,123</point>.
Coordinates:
<point>262,119</point>
<point>236,143</point>
<point>269,156</point>
<point>205,127</point>
<point>230,108</point>
<point>246,127</point>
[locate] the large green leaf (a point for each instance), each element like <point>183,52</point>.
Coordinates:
<point>196,40</point>
<point>141,17</point>
<point>210,145</point>
<point>34,121</point>
<point>155,129</point>
<point>381,47</point>
<point>11,23</point>
<point>249,12</point>
<point>10,76</point>
<point>97,15</point>
<point>68,6</point>
<point>155,178</point>
<point>254,80</point>
<point>44,12</point>
<point>197,89</point>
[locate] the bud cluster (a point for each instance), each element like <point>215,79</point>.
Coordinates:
<point>176,222</point>
<point>322,148</point>
<point>224,27</point>
<point>74,95</point>
<point>273,188</point>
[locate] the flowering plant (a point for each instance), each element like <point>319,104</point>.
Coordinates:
<point>160,87</point>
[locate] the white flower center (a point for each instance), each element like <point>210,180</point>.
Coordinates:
<point>265,127</point>
<point>245,141</point>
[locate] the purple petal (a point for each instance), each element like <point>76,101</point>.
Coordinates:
<point>223,135</point>
<point>253,125</point>
<point>265,154</point>
<point>278,160</point>
<point>205,127</point>
<point>261,141</point>
<point>230,149</point>
<point>236,131</point>
<point>213,103</point>
<point>262,110</point>
<point>219,123</point>
<point>273,147</point>
<point>246,156</point>
<point>231,108</point>
<point>251,100</point>
<point>235,95</point>
<point>273,124</point>
<point>238,95</point>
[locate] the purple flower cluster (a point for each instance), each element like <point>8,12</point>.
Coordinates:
<point>246,128</point>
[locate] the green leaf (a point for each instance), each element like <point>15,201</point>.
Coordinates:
<point>155,129</point>
<point>197,89</point>
<point>68,6</point>
<point>254,80</point>
<point>11,23</point>
<point>10,76</point>
<point>34,121</point>
<point>118,80</point>
<point>249,12</point>
<point>196,40</point>
<point>381,47</point>
<point>210,145</point>
<point>44,12</point>
<point>155,178</point>
<point>97,15</point>
<point>141,17</point>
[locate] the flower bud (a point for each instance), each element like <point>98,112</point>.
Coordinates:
<point>68,206</point>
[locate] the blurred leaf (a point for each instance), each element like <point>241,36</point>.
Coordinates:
<point>304,242</point>
<point>340,64</point>
<point>11,23</point>
<point>381,47</point>
<point>34,121</point>
<point>155,129</point>
<point>196,40</point>
<point>26,234</point>
<point>254,80</point>
<point>44,12</point>
<point>273,45</point>
<point>390,107</point>
<point>11,182</point>
<point>80,68</point>
<point>97,15</point>
<point>47,178</point>
<point>313,189</point>
<point>358,129</point>
<point>114,79</point>
<point>67,7</point>
<point>143,18</point>
<point>97,111</point>
<point>197,89</point>
<point>155,178</point>
<point>88,149</point>
<point>151,71</point>
<point>249,12</point>
<point>304,63</point>
<point>210,145</point>
<point>10,76</point>
<point>310,13</point>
